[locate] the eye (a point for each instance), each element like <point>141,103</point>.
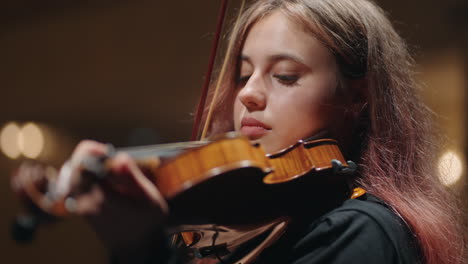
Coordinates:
<point>242,80</point>
<point>286,79</point>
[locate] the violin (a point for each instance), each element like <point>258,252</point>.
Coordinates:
<point>225,182</point>
<point>227,161</point>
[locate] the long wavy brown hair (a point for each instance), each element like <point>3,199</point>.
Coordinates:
<point>396,148</point>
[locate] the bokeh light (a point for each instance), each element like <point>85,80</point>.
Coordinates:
<point>9,140</point>
<point>450,168</point>
<point>31,140</point>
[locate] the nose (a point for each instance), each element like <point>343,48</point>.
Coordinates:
<point>253,95</point>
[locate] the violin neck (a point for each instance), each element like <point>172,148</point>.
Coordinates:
<point>163,151</point>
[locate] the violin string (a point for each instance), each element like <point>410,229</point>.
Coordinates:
<point>162,150</point>
<point>221,73</point>
<point>165,146</point>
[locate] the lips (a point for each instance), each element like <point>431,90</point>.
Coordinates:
<point>253,129</point>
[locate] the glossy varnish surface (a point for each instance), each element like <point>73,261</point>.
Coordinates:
<point>229,153</point>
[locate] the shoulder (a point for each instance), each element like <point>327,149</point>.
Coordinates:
<point>361,230</point>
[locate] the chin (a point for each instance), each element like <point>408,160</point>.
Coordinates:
<point>269,148</point>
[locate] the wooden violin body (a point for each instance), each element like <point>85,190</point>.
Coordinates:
<point>232,181</point>
<point>227,171</point>
<point>229,153</point>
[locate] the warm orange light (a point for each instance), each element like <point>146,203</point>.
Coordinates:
<point>31,140</point>
<point>9,140</point>
<point>450,168</point>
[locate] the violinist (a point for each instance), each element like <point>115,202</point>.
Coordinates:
<point>298,68</point>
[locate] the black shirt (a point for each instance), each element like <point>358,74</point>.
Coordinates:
<point>362,230</point>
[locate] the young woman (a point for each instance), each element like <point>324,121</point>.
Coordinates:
<point>298,68</point>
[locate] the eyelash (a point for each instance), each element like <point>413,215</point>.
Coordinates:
<point>242,80</point>
<point>287,80</point>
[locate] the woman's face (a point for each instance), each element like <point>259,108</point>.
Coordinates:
<point>286,86</point>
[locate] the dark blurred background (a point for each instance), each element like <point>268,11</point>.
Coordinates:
<point>130,72</point>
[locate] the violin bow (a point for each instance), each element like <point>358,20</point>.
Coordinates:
<point>206,84</point>
<point>188,237</point>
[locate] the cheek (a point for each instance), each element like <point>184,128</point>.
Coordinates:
<point>306,111</point>
<point>302,105</point>
<point>237,112</point>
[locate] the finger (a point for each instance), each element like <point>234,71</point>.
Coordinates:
<point>24,173</point>
<point>63,185</point>
<point>37,172</point>
<point>84,150</point>
<point>88,148</point>
<point>30,183</point>
<point>122,163</point>
<point>89,203</point>
<point>70,174</point>
<point>19,177</point>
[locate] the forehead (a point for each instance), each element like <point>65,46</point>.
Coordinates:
<point>277,34</point>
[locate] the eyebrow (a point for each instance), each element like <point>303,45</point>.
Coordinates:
<point>277,57</point>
